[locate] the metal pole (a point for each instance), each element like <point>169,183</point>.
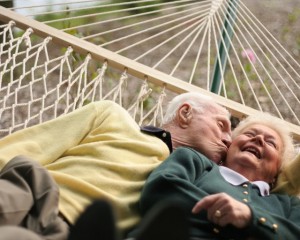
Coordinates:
<point>223,45</point>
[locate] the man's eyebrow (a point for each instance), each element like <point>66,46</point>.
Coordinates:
<point>223,117</point>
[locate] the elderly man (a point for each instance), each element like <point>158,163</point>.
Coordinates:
<point>99,151</point>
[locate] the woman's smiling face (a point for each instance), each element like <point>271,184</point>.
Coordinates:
<point>256,153</point>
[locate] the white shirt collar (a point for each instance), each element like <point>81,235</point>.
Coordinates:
<point>236,179</point>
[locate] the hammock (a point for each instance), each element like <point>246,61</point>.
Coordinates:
<point>140,54</point>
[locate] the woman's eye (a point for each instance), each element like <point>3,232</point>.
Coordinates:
<point>249,134</point>
<point>271,143</point>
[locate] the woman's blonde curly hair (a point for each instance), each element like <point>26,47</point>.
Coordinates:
<point>277,125</point>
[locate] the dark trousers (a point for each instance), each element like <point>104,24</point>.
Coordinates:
<point>29,202</point>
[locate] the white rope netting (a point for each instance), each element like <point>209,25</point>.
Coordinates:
<point>36,85</point>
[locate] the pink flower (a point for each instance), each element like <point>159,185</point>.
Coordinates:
<point>248,53</point>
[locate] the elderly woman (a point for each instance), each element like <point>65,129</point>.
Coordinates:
<point>232,201</point>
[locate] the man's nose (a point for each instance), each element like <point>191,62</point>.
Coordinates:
<point>226,139</point>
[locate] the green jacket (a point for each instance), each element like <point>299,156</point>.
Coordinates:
<point>190,176</point>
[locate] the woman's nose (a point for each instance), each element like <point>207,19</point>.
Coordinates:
<point>259,139</point>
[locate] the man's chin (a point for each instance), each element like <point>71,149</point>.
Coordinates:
<point>217,158</point>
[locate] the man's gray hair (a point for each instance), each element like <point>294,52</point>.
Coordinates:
<point>195,99</point>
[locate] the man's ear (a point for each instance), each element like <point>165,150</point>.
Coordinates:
<point>184,115</point>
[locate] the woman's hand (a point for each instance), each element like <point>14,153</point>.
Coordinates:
<point>222,210</point>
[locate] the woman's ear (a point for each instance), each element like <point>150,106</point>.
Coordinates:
<point>184,115</point>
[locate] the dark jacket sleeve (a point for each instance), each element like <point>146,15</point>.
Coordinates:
<point>175,178</point>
